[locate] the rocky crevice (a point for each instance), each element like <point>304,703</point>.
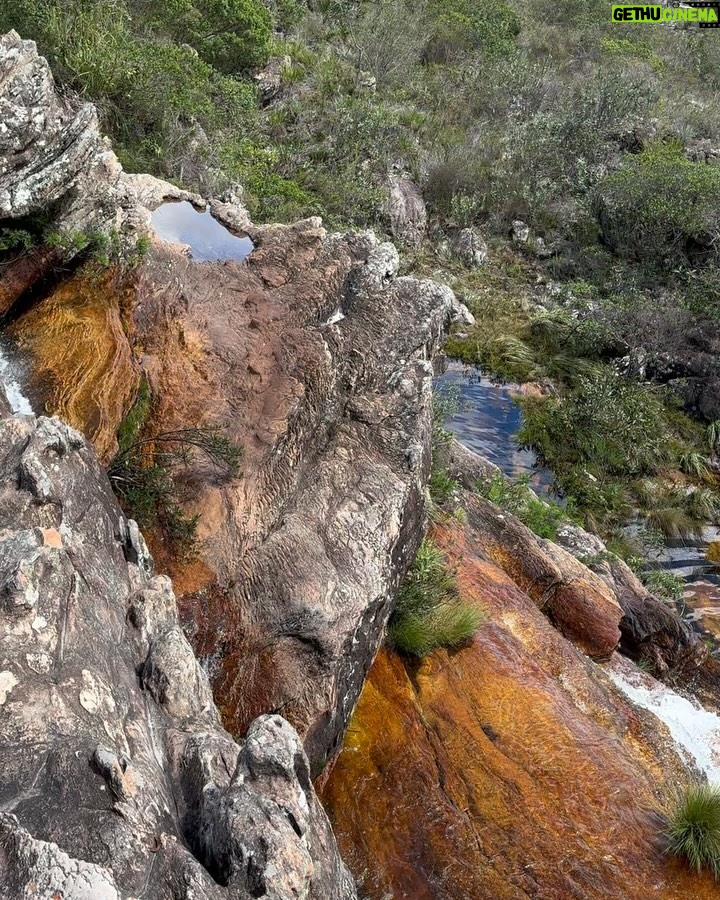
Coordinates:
<point>112,746</point>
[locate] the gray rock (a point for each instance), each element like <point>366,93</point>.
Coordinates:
<point>519,232</point>
<point>407,212</point>
<point>270,79</point>
<point>471,248</point>
<point>116,784</point>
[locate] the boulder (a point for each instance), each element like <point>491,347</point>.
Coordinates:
<point>519,232</point>
<point>118,779</point>
<point>270,79</point>
<point>471,773</point>
<point>471,248</point>
<point>406,211</point>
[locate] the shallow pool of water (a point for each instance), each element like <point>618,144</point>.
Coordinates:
<point>209,241</point>
<point>487,421</point>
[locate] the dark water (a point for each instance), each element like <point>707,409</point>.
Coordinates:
<point>208,240</point>
<point>487,421</point>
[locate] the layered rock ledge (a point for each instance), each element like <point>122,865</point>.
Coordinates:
<point>118,779</point>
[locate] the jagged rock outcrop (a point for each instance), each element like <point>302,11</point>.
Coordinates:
<point>118,780</point>
<point>54,159</point>
<point>334,417</point>
<point>315,356</point>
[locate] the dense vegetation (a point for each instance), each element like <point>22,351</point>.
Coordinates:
<point>601,137</point>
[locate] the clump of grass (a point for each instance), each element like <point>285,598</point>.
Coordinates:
<point>693,830</point>
<point>429,611</point>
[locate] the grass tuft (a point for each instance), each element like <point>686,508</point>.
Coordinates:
<point>429,612</point>
<point>693,830</point>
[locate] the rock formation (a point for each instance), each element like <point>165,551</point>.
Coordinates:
<point>513,767</point>
<point>118,779</point>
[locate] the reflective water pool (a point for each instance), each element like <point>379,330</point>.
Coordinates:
<point>209,241</point>
<point>487,421</point>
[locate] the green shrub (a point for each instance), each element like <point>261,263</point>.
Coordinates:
<point>542,517</point>
<point>661,208</point>
<point>429,612</point>
<point>693,829</point>
<point>231,35</point>
<point>461,27</point>
<point>144,473</point>
<point>609,424</point>
<point>441,484</point>
<point>665,585</point>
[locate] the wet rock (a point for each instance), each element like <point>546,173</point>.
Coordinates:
<point>471,248</point>
<point>105,712</point>
<point>407,212</point>
<point>576,600</point>
<point>463,775</point>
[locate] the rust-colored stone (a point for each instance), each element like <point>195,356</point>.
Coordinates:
<point>23,273</point>
<point>508,769</point>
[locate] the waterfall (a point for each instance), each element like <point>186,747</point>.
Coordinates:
<point>19,403</point>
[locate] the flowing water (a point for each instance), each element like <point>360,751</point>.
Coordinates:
<point>695,730</point>
<point>209,241</point>
<point>487,420</point>
<point>9,378</point>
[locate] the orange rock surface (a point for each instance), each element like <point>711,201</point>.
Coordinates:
<point>81,361</point>
<point>509,769</point>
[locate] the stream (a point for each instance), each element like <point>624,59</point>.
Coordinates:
<point>486,421</point>
<point>9,379</point>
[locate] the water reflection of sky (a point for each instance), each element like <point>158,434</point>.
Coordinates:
<point>208,240</point>
<point>487,420</point>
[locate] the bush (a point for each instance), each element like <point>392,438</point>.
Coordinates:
<point>608,424</point>
<point>462,27</point>
<point>661,208</point>
<point>429,612</point>
<point>693,830</point>
<point>231,35</point>
<point>542,517</point>
<point>665,585</point>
